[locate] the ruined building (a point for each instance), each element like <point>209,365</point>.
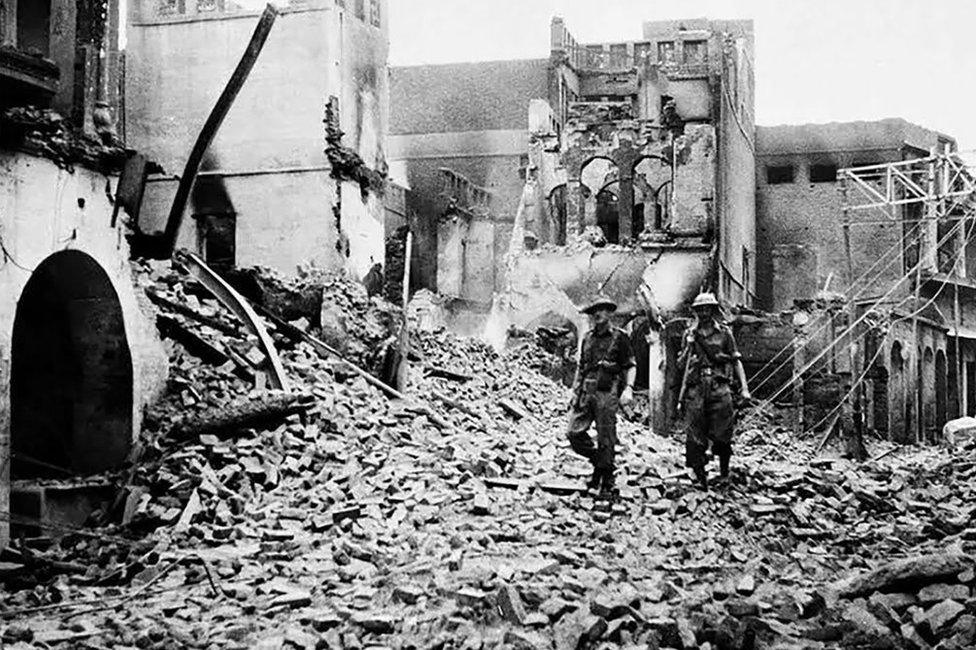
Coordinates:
<point>79,358</point>
<point>605,168</point>
<point>864,234</point>
<point>799,204</point>
<point>471,122</point>
<point>297,171</point>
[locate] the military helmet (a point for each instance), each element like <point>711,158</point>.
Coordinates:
<point>600,302</point>
<point>705,299</point>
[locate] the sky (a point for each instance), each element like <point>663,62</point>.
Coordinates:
<point>816,60</point>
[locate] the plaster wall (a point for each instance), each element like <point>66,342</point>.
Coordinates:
<point>276,176</point>
<point>694,180</point>
<point>44,210</point>
<point>809,214</point>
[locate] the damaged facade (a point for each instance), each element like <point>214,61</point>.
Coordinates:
<point>637,170</point>
<point>866,228</point>
<point>646,179</point>
<point>302,150</point>
<point>79,357</point>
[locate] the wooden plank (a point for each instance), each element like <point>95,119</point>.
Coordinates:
<point>240,308</point>
<point>403,370</point>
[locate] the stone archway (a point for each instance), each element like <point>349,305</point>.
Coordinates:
<point>652,180</point>
<point>608,211</point>
<point>71,385</point>
<point>595,175</point>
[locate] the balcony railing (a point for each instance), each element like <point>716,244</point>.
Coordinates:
<point>587,58</point>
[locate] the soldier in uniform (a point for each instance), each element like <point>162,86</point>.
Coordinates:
<point>711,360</point>
<point>604,381</point>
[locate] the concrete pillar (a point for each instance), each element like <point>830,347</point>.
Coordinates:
<point>575,215</point>
<point>589,208</point>
<point>624,157</point>
<point>64,49</point>
<point>625,207</point>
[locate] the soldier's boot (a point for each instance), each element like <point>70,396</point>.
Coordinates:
<point>702,476</point>
<point>723,463</point>
<point>608,492</point>
<point>594,483</point>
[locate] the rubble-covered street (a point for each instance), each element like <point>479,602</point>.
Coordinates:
<point>357,522</point>
<point>368,325</point>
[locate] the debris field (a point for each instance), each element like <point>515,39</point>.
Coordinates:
<point>338,517</point>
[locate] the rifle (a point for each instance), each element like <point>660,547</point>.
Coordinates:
<point>684,381</point>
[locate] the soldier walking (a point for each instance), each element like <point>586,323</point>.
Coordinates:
<point>604,381</point>
<point>711,360</point>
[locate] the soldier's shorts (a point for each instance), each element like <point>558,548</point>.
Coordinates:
<point>594,408</point>
<point>709,419</point>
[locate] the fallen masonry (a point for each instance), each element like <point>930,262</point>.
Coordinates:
<point>337,517</point>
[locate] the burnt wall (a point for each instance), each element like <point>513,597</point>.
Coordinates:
<point>802,213</point>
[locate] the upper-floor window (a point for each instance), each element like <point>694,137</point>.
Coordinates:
<point>34,26</point>
<point>210,5</point>
<point>168,7</point>
<point>779,174</point>
<point>695,51</point>
<point>641,53</point>
<point>619,58</point>
<point>374,13</point>
<point>823,173</point>
<point>665,52</point>
<point>360,9</point>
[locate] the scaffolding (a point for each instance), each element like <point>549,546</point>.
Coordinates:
<point>927,193</point>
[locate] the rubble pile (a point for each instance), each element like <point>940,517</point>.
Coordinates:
<point>456,519</point>
<point>48,134</point>
<point>326,304</point>
<point>550,351</point>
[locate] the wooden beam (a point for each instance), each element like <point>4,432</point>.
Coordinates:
<point>212,125</point>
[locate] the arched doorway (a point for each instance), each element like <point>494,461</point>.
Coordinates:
<point>608,211</point>
<point>652,180</point>
<point>599,203</point>
<point>898,409</point>
<point>71,372</point>
<point>927,407</point>
<point>941,390</point>
<point>556,209</point>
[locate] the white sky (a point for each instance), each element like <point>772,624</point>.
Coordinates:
<point>816,60</point>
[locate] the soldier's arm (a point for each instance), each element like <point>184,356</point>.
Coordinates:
<point>628,365</point>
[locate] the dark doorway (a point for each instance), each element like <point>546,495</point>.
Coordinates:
<point>607,215</point>
<point>217,237</point>
<point>898,411</point>
<point>926,409</point>
<point>953,407</point>
<point>970,388</point>
<point>71,372</point>
<point>941,390</point>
